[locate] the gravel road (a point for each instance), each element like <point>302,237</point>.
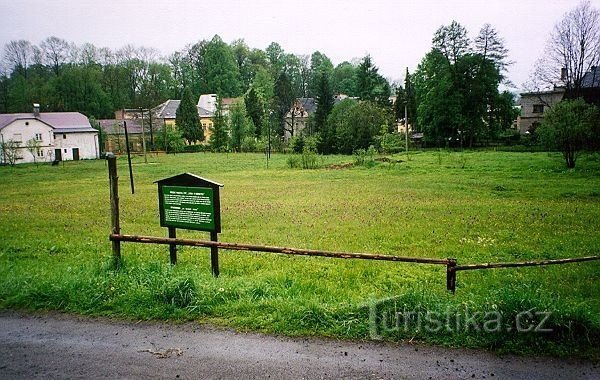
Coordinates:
<point>63,346</point>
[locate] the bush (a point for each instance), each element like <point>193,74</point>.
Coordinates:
<point>297,144</point>
<point>194,148</point>
<point>294,161</point>
<point>309,160</point>
<point>249,144</point>
<point>365,157</point>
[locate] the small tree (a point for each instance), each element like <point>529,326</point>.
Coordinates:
<point>10,151</point>
<point>170,139</point>
<point>241,126</point>
<point>33,146</point>
<point>569,127</point>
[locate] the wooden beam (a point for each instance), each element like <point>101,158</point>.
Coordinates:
<point>282,250</point>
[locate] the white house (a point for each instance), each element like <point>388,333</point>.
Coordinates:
<point>61,136</point>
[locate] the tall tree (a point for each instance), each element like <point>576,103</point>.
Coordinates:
<point>370,85</point>
<point>282,101</point>
<point>255,107</point>
<point>221,74</point>
<point>18,56</point>
<point>490,47</point>
<point>219,137</point>
<point>187,120</point>
<point>572,50</point>
<point>55,52</point>
<point>319,63</point>
<point>324,97</point>
<point>452,41</point>
<point>344,79</point>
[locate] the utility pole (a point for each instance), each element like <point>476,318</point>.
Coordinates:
<point>406,125</point>
<point>406,112</point>
<point>143,137</point>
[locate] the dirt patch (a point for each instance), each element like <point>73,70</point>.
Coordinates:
<point>341,166</point>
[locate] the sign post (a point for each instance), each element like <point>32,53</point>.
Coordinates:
<point>187,201</point>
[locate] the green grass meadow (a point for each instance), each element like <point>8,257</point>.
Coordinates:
<point>476,207</point>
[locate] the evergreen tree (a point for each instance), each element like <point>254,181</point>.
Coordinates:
<point>240,125</point>
<point>187,120</point>
<point>324,97</point>
<point>220,136</point>
<point>283,100</point>
<point>370,84</point>
<point>255,109</point>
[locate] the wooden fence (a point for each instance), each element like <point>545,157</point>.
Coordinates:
<point>451,264</point>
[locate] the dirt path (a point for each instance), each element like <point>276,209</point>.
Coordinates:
<point>60,346</point>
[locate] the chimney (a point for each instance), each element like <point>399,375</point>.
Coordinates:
<point>36,109</point>
<point>563,73</point>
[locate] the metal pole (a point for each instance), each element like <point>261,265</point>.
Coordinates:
<point>214,254</point>
<point>128,156</point>
<point>173,247</point>
<point>144,137</point>
<point>165,130</point>
<point>114,204</point>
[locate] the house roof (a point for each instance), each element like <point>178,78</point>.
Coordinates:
<point>61,122</point>
<point>168,110</point>
<point>591,79</point>
<point>309,104</point>
<point>114,126</point>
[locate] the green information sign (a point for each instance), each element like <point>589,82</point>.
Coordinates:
<point>188,207</point>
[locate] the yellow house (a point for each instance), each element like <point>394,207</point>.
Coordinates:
<point>166,113</point>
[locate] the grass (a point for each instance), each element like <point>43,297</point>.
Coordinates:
<point>473,206</point>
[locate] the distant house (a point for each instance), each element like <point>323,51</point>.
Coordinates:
<point>297,119</point>
<point>115,135</point>
<point>533,105</point>
<point>590,86</point>
<point>166,113</point>
<point>61,136</point>
<point>208,102</point>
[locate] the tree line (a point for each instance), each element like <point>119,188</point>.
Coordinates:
<point>452,96</point>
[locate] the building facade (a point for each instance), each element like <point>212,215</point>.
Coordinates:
<point>46,136</point>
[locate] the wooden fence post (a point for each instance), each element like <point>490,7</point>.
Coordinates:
<point>114,204</point>
<point>451,275</point>
<point>173,247</point>
<point>214,254</point>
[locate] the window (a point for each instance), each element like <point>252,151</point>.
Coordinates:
<point>64,136</point>
<point>26,123</point>
<point>65,151</point>
<point>538,108</point>
<point>40,153</point>
<point>38,136</point>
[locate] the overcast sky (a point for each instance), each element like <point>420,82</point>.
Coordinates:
<point>397,34</point>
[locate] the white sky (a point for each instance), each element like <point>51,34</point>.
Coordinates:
<point>397,34</point>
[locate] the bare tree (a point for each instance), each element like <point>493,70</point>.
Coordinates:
<point>55,52</point>
<point>572,50</point>
<point>18,56</point>
<point>10,151</point>
<point>490,46</point>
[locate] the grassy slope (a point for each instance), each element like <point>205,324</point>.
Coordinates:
<point>476,207</point>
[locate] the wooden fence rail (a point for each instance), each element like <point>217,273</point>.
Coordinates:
<point>526,263</point>
<point>272,249</point>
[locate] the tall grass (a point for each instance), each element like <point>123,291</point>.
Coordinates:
<point>473,206</point>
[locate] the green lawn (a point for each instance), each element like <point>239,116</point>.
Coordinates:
<point>473,206</point>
